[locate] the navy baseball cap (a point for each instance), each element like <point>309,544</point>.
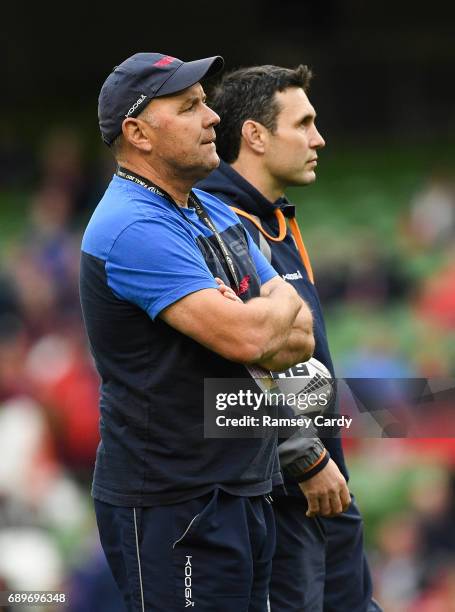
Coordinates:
<point>142,77</point>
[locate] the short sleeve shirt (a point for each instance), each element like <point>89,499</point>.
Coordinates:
<point>140,255</point>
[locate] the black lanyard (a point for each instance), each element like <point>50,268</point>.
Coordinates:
<point>194,201</point>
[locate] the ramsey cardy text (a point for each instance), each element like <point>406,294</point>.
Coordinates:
<point>268,421</point>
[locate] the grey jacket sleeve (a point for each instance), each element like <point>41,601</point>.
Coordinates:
<point>301,456</point>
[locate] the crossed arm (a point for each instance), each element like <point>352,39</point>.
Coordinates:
<point>274,330</point>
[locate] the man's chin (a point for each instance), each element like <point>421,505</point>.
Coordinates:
<point>216,161</point>
<point>304,179</point>
<point>309,177</point>
<point>206,168</point>
<point>212,163</point>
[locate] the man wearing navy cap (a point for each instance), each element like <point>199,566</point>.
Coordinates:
<point>184,521</point>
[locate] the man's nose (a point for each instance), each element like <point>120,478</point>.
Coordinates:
<point>318,141</point>
<point>211,118</point>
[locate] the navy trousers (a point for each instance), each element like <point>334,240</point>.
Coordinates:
<point>319,564</point>
<point>212,553</point>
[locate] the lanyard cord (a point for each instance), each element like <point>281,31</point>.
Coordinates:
<point>256,372</point>
<point>201,212</point>
<point>294,227</point>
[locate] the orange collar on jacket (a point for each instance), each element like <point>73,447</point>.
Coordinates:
<point>282,227</point>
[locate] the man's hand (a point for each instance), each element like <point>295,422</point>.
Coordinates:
<point>327,493</point>
<point>227,291</point>
<point>299,346</point>
<point>300,343</point>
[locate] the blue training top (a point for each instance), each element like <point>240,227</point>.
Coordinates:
<point>139,255</point>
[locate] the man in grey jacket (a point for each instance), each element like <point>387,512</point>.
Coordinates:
<point>267,140</point>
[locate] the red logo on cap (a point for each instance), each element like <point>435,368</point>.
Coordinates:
<point>164,61</point>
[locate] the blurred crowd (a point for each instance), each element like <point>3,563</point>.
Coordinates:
<point>49,388</point>
<point>406,490</point>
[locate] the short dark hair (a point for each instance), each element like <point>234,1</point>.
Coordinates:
<point>116,146</point>
<point>249,93</point>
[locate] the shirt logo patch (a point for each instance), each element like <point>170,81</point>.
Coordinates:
<point>244,285</point>
<point>292,275</point>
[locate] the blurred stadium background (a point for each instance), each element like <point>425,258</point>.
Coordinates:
<point>379,224</point>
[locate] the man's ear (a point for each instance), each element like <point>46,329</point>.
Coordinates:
<point>254,135</point>
<point>136,132</point>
